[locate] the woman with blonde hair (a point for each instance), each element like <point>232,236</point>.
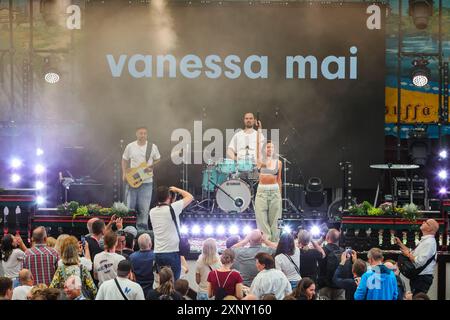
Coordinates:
<point>208,261</point>
<point>59,242</point>
<point>71,266</point>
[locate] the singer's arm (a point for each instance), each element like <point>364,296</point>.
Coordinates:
<point>280,166</point>
<point>259,164</point>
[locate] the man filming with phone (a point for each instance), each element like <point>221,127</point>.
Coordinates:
<point>166,223</point>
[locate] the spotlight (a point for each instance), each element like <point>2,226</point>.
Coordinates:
<point>419,146</point>
<point>220,230</point>
<point>39,185</point>
<point>420,73</point>
<point>315,231</point>
<point>184,229</point>
<point>40,200</point>
<point>39,152</point>
<point>287,229</point>
<point>443,191</point>
<point>246,230</point>
<point>443,154</point>
<point>51,75</point>
<point>195,230</point>
<point>15,178</point>
<point>16,163</point>
<point>421,11</point>
<point>442,174</point>
<point>233,230</point>
<point>208,230</point>
<point>39,169</point>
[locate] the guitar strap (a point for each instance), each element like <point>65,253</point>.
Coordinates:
<point>148,151</point>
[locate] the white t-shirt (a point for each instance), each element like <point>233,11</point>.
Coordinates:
<point>109,291</point>
<point>166,237</point>
<point>12,267</point>
<point>84,262</point>
<point>285,265</point>
<point>204,270</point>
<point>241,140</point>
<point>136,154</point>
<point>271,281</point>
<point>105,265</point>
<point>21,292</point>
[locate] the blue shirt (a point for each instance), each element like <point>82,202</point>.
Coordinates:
<point>379,283</point>
<point>142,262</point>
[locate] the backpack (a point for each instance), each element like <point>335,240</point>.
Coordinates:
<point>408,269</point>
<point>220,291</point>
<point>332,259</point>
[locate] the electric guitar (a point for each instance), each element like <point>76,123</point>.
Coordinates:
<point>136,176</point>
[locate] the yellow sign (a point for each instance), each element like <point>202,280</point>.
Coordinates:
<point>416,106</point>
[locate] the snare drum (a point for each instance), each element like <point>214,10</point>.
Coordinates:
<point>226,166</point>
<point>212,173</point>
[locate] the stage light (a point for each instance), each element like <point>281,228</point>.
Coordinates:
<point>39,152</point>
<point>220,230</point>
<point>287,229</point>
<point>51,74</point>
<point>208,230</point>
<point>234,230</point>
<point>419,147</point>
<point>39,185</point>
<point>443,191</point>
<point>420,73</point>
<point>15,178</point>
<point>443,174</point>
<point>443,154</point>
<point>246,230</point>
<point>39,169</point>
<point>16,163</point>
<point>196,229</point>
<point>421,11</point>
<point>315,231</point>
<point>40,200</point>
<point>184,229</point>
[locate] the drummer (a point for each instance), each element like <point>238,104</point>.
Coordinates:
<point>243,144</point>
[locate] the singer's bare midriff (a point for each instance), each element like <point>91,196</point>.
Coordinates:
<point>270,178</point>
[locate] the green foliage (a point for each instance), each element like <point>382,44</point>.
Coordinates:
<point>120,209</point>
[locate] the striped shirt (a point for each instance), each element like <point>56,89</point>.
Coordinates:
<point>42,262</point>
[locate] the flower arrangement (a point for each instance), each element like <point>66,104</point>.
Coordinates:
<point>75,209</point>
<point>408,211</point>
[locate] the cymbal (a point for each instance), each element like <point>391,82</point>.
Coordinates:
<point>393,166</point>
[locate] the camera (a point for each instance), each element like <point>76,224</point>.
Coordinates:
<point>348,251</point>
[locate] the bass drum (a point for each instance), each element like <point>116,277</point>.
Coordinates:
<point>237,189</point>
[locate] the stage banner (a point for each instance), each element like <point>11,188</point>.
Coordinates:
<point>314,71</point>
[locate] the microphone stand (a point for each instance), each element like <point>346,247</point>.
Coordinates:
<point>285,199</point>
<point>121,186</point>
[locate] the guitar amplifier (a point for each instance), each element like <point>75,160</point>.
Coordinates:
<point>417,186</point>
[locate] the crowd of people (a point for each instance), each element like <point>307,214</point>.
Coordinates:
<point>116,263</point>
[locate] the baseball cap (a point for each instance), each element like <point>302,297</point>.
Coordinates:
<point>131,230</point>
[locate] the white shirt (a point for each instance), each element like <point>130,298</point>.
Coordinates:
<point>423,252</point>
<point>105,265</point>
<point>109,290</point>
<point>136,154</point>
<point>241,140</point>
<point>21,292</point>
<point>166,237</point>
<point>84,262</point>
<point>203,270</point>
<point>12,267</point>
<point>271,281</point>
<point>285,265</point>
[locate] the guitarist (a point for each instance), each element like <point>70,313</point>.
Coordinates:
<point>135,154</point>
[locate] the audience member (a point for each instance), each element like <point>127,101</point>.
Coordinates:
<point>207,261</point>
<point>12,254</point>
<point>166,288</point>
<point>268,296</point>
<point>121,287</point>
<point>378,283</point>
<point>309,257</point>
<point>287,258</point>
<point>142,262</point>
<point>224,281</point>
<point>59,242</point>
<point>245,256</point>
<point>26,283</point>
<point>328,266</point>
<point>51,242</point>
<point>182,287</point>
<point>130,234</point>
<point>106,262</point>
<point>37,292</point>
<point>40,259</point>
<point>70,265</point>
<point>392,265</point>
<point>6,288</point>
<point>165,229</point>
<point>340,278</point>
<point>421,296</point>
<point>423,256</point>
<point>185,249</point>
<point>231,241</point>
<point>98,230</point>
<point>72,288</point>
<point>306,290</point>
<point>269,279</point>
